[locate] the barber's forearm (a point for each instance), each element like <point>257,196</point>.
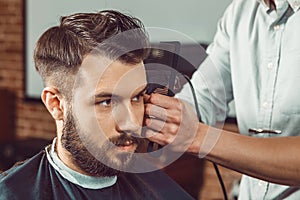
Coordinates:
<point>271,159</point>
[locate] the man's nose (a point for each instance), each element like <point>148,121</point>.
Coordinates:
<point>126,119</point>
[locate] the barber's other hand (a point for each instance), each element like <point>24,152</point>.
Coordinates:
<point>171,121</point>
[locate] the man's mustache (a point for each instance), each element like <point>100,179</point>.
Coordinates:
<point>125,140</point>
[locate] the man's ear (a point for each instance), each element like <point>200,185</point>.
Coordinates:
<point>53,101</point>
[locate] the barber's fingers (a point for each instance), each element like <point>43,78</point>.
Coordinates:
<point>154,124</point>
<point>169,115</point>
<point>166,115</point>
<point>158,137</point>
<point>147,98</point>
<point>162,100</point>
<point>166,128</point>
<point>154,111</point>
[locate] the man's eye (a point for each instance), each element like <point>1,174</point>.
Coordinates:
<point>137,98</point>
<point>105,103</point>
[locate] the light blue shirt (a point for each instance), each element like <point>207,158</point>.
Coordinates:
<point>255,60</point>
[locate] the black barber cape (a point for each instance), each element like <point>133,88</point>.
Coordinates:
<point>37,179</point>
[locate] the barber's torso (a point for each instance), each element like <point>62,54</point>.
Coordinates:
<point>264,62</point>
<point>257,52</point>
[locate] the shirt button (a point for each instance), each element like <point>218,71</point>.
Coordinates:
<point>276,27</point>
<point>265,105</point>
<point>296,4</point>
<point>270,65</point>
<point>261,183</point>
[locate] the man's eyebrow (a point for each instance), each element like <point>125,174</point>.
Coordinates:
<point>108,94</point>
<point>104,94</point>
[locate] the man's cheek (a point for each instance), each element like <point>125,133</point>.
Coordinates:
<point>140,115</point>
<point>106,124</point>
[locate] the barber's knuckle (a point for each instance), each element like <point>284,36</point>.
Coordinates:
<point>169,140</point>
<point>176,118</point>
<point>177,104</point>
<point>147,121</point>
<point>154,98</point>
<point>148,133</point>
<point>176,100</point>
<point>164,140</point>
<point>173,128</point>
<point>148,108</point>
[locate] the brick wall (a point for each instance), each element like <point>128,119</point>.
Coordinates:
<point>31,118</point>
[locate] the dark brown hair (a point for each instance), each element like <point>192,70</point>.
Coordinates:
<point>60,50</point>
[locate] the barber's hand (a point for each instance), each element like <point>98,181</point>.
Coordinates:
<point>171,121</point>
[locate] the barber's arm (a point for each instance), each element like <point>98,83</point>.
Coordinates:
<point>272,159</point>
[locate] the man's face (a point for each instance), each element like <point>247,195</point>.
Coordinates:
<point>105,120</point>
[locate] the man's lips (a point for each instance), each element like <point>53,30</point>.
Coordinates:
<point>128,145</point>
<point>127,148</point>
<point>124,143</point>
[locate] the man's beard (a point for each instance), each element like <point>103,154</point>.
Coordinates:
<point>104,165</point>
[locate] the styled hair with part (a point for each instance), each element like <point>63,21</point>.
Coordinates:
<point>60,50</point>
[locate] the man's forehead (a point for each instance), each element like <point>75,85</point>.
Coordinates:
<point>93,65</point>
<point>98,73</point>
<point>122,80</point>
